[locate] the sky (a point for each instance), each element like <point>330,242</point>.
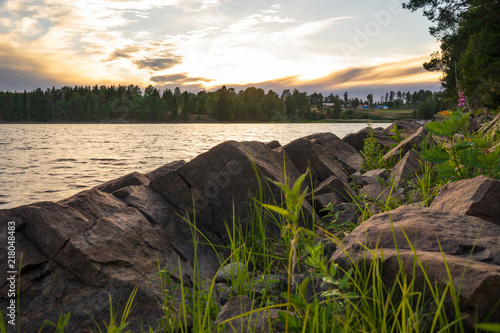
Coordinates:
<point>359,46</point>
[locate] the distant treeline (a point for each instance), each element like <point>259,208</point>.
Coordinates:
<point>85,103</point>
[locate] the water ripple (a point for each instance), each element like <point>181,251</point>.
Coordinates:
<point>42,162</point>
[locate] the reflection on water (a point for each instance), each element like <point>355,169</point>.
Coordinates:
<point>52,161</point>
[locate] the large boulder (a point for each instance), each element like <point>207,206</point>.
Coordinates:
<point>306,154</point>
<point>470,246</point>
<point>343,153</point>
<point>478,197</point>
<point>326,155</point>
<point>78,252</point>
<point>221,179</point>
<point>411,142</point>
<point>357,140</point>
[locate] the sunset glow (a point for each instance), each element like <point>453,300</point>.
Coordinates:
<point>203,44</point>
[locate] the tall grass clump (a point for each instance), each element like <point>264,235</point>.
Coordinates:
<point>372,153</point>
<point>113,326</point>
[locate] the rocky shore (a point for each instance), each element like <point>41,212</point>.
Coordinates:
<point>107,240</point>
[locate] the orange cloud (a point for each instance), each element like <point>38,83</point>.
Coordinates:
<point>399,75</point>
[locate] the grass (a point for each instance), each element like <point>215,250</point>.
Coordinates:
<point>357,299</point>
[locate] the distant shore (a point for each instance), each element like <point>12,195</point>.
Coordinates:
<point>202,121</point>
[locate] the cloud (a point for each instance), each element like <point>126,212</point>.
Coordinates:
<point>157,64</point>
<point>180,78</point>
<point>125,52</point>
<point>256,19</point>
<point>359,81</point>
<point>19,71</point>
<point>209,3</point>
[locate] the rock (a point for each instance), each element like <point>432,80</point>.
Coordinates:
<point>134,178</point>
<point>410,165</point>
<point>346,155</point>
<point>407,128</point>
<point>347,212</point>
<point>475,123</point>
<point>78,252</point>
<point>478,197</point>
<point>306,154</point>
<point>274,144</point>
<point>470,245</point>
<point>377,192</point>
<point>357,140</point>
<point>105,241</point>
<point>322,201</point>
<point>222,176</point>
<point>165,169</point>
<point>236,306</point>
<point>177,233</point>
<point>409,143</point>
<point>336,186</point>
<point>373,177</point>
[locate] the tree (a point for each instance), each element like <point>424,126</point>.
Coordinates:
<point>290,106</point>
<point>223,105</point>
<point>286,93</point>
<point>469,31</point>
<point>346,99</point>
<point>369,97</point>
<point>337,109</point>
<point>355,102</point>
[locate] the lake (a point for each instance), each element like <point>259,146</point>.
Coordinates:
<point>40,162</point>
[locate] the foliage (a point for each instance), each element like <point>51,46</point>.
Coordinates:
<point>113,326</point>
<point>371,153</point>
<point>461,158</point>
<point>61,323</point>
<point>469,58</point>
<point>489,327</point>
<point>341,229</point>
<point>3,328</point>
<point>104,103</point>
<point>428,108</point>
<point>293,199</point>
<point>169,322</point>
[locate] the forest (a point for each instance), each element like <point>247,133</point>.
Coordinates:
<point>104,103</point>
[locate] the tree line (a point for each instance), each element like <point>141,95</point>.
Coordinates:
<point>97,103</point>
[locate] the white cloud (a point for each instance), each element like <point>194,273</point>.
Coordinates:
<point>209,3</point>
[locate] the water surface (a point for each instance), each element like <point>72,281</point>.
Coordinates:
<point>40,162</point>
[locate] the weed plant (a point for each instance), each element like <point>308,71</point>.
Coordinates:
<point>463,155</point>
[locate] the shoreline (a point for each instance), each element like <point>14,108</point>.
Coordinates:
<point>325,121</point>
